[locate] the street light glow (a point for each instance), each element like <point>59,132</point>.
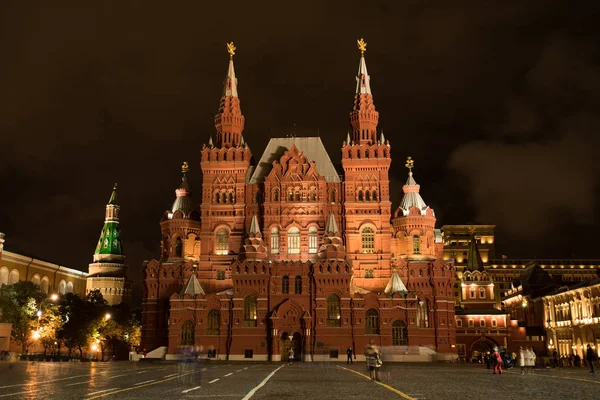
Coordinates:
<point>54,297</point>
<point>36,335</point>
<point>39,313</point>
<point>107,316</point>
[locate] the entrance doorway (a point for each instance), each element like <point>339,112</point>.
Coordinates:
<point>295,342</point>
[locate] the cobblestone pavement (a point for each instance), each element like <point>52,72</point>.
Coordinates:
<point>262,381</point>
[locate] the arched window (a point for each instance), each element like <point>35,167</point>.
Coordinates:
<point>459,323</point>
<point>231,197</point>
<point>368,240</point>
<point>222,242</point>
<point>471,324</point>
<point>482,323</point>
<point>62,287</point>
<point>13,277</point>
<point>294,240</point>
<point>290,195</point>
<point>423,314</point>
<point>360,195</point>
<point>223,197</point>
<point>213,325</point>
<point>472,293</point>
<point>250,316</point>
<point>399,333</point>
<point>178,248</point>
<point>3,276</point>
<point>494,323</point>
<point>482,293</point>
<point>332,196</point>
<point>312,240</point>
<point>297,195</point>
<point>187,333</point>
<point>217,197</point>
<point>274,240</point>
<point>257,197</point>
<point>313,195</point>
<point>298,285</point>
<point>69,287</point>
<point>333,311</point>
<point>45,284</point>
<point>35,279</point>
<point>372,322</point>
<point>276,195</point>
<point>374,195</point>
<point>416,244</point>
<point>367,195</point>
<point>285,285</point>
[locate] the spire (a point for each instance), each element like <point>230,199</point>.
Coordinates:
<point>348,140</point>
<point>474,261</point>
<point>363,117</point>
<point>395,285</point>
<point>183,195</point>
<point>382,139</point>
<point>193,287</point>
<point>254,227</point>
<point>109,244</point>
<point>229,120</point>
<point>210,141</point>
<point>331,226</point>
<point>411,198</point>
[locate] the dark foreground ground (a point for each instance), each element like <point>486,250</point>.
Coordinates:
<point>261,381</point>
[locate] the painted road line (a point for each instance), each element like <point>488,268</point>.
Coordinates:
<point>78,383</point>
<point>556,376</point>
<point>102,391</point>
<point>141,372</point>
<point>388,387</point>
<point>41,383</point>
<point>14,394</point>
<point>168,376</point>
<point>251,393</point>
<point>246,368</point>
<point>203,369</point>
<point>231,373</point>
<point>189,390</point>
<point>137,387</point>
<point>115,376</point>
<point>142,383</point>
<point>239,370</point>
<point>214,380</point>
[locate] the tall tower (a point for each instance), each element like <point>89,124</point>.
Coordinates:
<point>366,161</point>
<point>108,272</point>
<point>180,225</point>
<point>224,169</point>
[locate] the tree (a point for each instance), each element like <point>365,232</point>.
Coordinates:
<point>19,306</point>
<point>76,331</point>
<point>50,324</point>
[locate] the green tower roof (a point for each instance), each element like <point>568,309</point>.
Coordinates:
<point>110,236</point>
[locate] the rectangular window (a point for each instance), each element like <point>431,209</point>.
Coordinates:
<point>472,293</point>
<point>333,354</point>
<point>482,323</point>
<point>294,241</point>
<point>312,242</point>
<point>482,293</point>
<point>274,241</point>
<point>248,353</point>
<point>494,323</point>
<point>220,275</point>
<point>471,323</point>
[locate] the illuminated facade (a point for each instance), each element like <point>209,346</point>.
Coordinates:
<point>292,252</point>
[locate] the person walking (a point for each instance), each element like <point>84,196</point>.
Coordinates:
<point>290,355</point>
<point>522,359</point>
<point>488,360</point>
<point>590,357</point>
<point>498,364</point>
<point>349,354</point>
<point>373,361</point>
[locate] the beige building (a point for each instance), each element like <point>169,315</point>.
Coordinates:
<point>572,318</point>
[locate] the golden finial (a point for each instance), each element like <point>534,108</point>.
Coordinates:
<point>185,167</point>
<point>410,163</point>
<point>231,49</point>
<point>362,46</point>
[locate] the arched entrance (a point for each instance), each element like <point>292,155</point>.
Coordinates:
<point>295,342</point>
<point>482,346</point>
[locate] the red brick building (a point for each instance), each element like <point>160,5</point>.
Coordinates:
<point>292,252</point>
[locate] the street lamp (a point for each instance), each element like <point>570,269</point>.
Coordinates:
<point>107,316</point>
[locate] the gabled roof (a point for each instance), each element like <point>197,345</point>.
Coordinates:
<point>474,261</point>
<point>193,287</point>
<point>311,147</point>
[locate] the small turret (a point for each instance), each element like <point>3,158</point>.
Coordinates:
<point>109,245</point>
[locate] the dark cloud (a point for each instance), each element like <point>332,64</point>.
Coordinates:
<point>504,94</point>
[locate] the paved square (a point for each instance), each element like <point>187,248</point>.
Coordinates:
<point>262,381</point>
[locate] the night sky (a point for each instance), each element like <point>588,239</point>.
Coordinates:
<point>497,102</point>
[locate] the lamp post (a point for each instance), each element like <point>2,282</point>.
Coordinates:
<point>36,334</point>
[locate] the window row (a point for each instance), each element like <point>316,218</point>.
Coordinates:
<point>296,195</point>
<point>471,323</point>
<point>367,195</point>
<point>285,285</point>
<point>224,197</point>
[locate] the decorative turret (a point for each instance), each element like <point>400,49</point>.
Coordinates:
<point>107,272</point>
<point>183,198</point>
<point>229,120</point>
<point>332,246</point>
<point>364,117</point>
<point>411,197</point>
<point>254,247</point>
<point>109,246</point>
<point>180,224</point>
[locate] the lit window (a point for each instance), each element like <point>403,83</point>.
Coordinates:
<point>250,316</point>
<point>423,314</point>
<point>472,293</point>
<point>416,245</point>
<point>482,293</point>
<point>368,240</point>
<point>294,241</point>
<point>276,195</point>
<point>274,240</point>
<point>222,242</point>
<point>312,240</point>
